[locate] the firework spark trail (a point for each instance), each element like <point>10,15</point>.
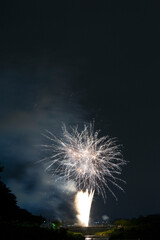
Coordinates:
<point>92,162</point>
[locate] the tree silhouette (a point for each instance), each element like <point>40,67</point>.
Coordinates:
<point>9,209</point>
<point>8,206</point>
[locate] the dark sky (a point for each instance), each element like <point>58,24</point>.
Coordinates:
<point>71,62</point>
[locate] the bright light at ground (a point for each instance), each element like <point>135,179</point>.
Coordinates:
<point>83,202</point>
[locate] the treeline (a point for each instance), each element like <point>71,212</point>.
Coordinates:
<point>19,224</point>
<point>137,228</point>
<point>10,211</point>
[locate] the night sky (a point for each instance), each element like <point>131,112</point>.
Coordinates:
<point>72,62</point>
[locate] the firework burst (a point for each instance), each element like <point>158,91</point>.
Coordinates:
<point>92,162</point>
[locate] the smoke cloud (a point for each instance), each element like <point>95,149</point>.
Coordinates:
<point>45,104</point>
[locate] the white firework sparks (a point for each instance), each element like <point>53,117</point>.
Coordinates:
<point>92,162</point>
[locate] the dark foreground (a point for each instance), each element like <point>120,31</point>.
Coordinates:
<point>94,237</point>
<point>19,232</point>
<point>91,230</point>
<point>142,228</point>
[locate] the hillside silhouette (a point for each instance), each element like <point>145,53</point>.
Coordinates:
<point>19,224</point>
<point>143,228</point>
<point>10,211</point>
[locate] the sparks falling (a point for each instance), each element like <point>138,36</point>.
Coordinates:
<point>93,163</point>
